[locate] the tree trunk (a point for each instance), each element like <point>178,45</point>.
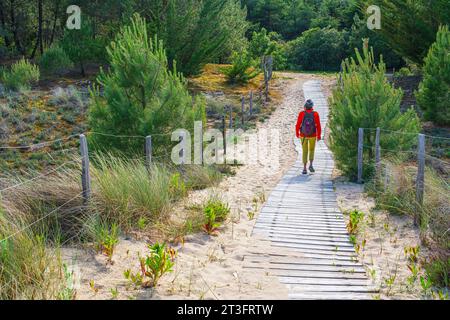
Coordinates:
<point>14,27</point>
<point>83,72</point>
<point>55,19</point>
<point>39,44</point>
<point>3,23</point>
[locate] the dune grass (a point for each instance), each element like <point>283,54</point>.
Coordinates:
<point>40,216</point>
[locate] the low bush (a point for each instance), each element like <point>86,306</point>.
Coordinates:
<point>215,212</point>
<point>318,49</point>
<point>153,266</point>
<point>367,100</point>
<point>243,68</point>
<point>433,96</point>
<point>21,76</point>
<point>265,43</point>
<point>54,61</point>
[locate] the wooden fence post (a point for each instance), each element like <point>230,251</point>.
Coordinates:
<point>201,143</point>
<point>224,136</point>
<point>243,110</point>
<point>85,176</point>
<point>148,151</point>
<point>420,182</point>
<point>377,151</point>
<point>360,154</point>
<point>231,117</point>
<point>251,103</point>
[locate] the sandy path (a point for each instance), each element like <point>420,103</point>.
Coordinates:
<point>210,267</point>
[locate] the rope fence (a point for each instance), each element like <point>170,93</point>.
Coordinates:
<point>383,170</point>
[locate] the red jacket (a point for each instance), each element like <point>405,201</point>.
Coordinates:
<point>316,120</point>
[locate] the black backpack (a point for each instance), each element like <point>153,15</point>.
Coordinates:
<point>308,127</point>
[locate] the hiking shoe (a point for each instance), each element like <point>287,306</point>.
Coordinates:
<point>305,172</point>
<point>311,169</point>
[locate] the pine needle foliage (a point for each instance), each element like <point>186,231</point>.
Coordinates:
<point>434,91</point>
<point>367,100</point>
<point>140,95</point>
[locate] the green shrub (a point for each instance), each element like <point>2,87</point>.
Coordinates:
<point>215,212</point>
<point>221,210</point>
<point>265,44</point>
<point>243,68</point>
<point>141,95</point>
<point>433,96</point>
<point>21,76</point>
<point>82,47</point>
<point>153,266</point>
<point>54,61</point>
<point>367,100</point>
<point>318,49</point>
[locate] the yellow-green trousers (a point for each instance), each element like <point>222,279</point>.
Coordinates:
<point>308,148</point>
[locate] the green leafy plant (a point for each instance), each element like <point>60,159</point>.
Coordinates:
<point>433,96</point>
<point>68,292</point>
<point>318,49</point>
<point>265,43</point>
<point>426,284</point>
<point>142,95</point>
<point>177,185</point>
<point>21,75</point>
<point>82,47</point>
<point>412,253</point>
<point>159,261</point>
<point>414,273</point>
<point>355,218</point>
<point>107,238</point>
<point>220,209</point>
<point>365,99</point>
<point>54,60</point>
<point>114,293</point>
<point>210,225</point>
<point>243,68</point>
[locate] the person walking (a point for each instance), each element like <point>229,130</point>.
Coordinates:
<point>308,130</point>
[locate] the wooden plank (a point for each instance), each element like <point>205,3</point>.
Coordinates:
<point>310,240</point>
<point>301,215</point>
<point>309,235</point>
<point>300,226</point>
<point>294,288</point>
<point>329,296</point>
<point>319,275</point>
<point>304,231</point>
<point>316,251</point>
<point>303,267</point>
<point>310,219</point>
<point>301,261</point>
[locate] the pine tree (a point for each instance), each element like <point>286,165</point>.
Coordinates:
<point>434,92</point>
<point>141,95</point>
<point>410,26</point>
<point>367,100</point>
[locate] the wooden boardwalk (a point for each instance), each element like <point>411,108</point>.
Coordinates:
<point>301,217</point>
